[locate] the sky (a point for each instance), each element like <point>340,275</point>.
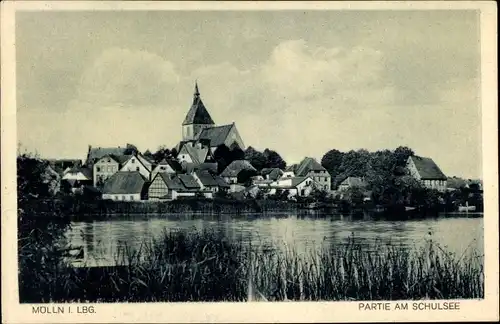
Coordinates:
<point>298,82</point>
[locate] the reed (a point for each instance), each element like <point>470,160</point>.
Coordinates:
<point>209,266</point>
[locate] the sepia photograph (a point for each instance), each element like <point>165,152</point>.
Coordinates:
<point>231,156</point>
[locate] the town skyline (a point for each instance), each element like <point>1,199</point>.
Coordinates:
<point>374,85</point>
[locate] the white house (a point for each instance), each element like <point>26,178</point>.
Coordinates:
<point>300,186</point>
<point>137,163</point>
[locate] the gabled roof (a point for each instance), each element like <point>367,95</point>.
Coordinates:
<point>172,181</point>
<point>197,154</point>
<point>354,182</point>
<point>272,173</point>
<point>189,181</point>
<point>206,178</point>
<point>174,164</point>
<point>307,165</point>
<point>124,183</point>
<point>427,168</point>
<point>216,135</point>
<point>61,165</point>
<point>298,180</point>
<point>86,172</point>
<point>198,114</point>
<point>233,169</point>
<point>121,159</point>
<point>99,152</point>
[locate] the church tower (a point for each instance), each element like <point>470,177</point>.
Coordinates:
<point>197,118</point>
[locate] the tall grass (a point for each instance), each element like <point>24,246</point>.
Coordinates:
<point>208,266</point>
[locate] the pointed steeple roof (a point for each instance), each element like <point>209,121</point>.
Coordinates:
<point>197,114</point>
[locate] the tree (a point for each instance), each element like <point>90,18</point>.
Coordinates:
<point>131,149</point>
<point>245,176</point>
<point>237,154</point>
<point>274,160</point>
<point>257,159</point>
<point>401,155</point>
<point>161,154</point>
<point>331,161</point>
<point>223,157</point>
<point>148,154</point>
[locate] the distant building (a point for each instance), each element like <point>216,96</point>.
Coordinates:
<point>351,182</point>
<point>169,166</point>
<point>310,167</point>
<point>427,172</point>
<point>60,166</point>
<point>209,181</point>
<point>230,173</point>
<point>126,186</point>
<point>195,155</point>
<point>289,171</point>
<point>106,166</point>
<point>77,177</point>
<point>271,173</point>
<point>96,153</point>
<point>198,126</point>
<point>137,162</point>
<point>295,186</point>
<point>168,186</point>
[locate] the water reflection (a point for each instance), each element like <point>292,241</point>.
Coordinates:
<point>103,239</point>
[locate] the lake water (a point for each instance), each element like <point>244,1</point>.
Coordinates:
<point>102,239</point>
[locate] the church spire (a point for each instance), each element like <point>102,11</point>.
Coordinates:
<point>196,91</point>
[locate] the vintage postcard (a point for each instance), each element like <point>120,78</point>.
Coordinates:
<point>249,161</point>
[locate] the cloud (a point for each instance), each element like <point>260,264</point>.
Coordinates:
<point>128,78</point>
<point>302,101</point>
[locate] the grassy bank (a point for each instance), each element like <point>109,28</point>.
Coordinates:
<point>207,266</point>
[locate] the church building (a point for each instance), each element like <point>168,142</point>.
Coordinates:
<point>199,128</point>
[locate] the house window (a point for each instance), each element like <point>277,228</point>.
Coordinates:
<point>133,160</point>
<point>162,168</point>
<point>137,169</point>
<point>123,197</point>
<point>131,197</point>
<point>98,169</point>
<point>109,168</point>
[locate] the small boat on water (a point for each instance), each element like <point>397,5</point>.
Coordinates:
<point>466,208</point>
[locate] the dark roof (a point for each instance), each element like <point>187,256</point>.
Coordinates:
<point>124,183</point>
<point>172,181</point>
<point>272,173</point>
<point>174,164</point>
<point>198,114</point>
<point>189,181</point>
<point>291,168</point>
<point>427,168</point>
<point>121,159</point>
<point>85,171</point>
<point>99,152</point>
<point>298,180</point>
<point>221,182</point>
<point>233,169</point>
<point>198,154</point>
<point>216,135</point>
<point>60,165</point>
<point>206,178</point>
<point>307,165</point>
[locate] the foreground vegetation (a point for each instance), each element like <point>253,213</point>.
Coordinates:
<point>207,266</point>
